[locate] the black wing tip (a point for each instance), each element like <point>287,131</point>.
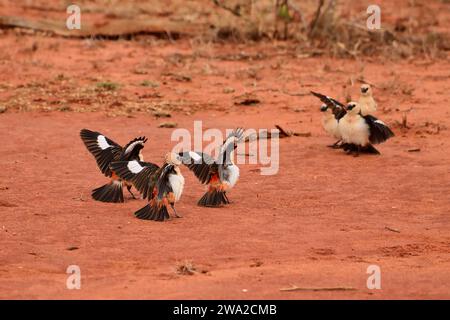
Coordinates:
<point>143,139</point>
<point>322,97</point>
<point>86,133</point>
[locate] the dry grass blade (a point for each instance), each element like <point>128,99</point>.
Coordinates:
<point>295,288</point>
<point>392,229</point>
<point>235,11</point>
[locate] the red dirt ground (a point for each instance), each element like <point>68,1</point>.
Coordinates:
<point>320,222</point>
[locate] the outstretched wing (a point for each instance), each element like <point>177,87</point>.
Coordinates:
<point>237,134</point>
<point>379,131</point>
<point>139,173</point>
<point>102,148</point>
<point>330,102</point>
<point>202,165</point>
<point>132,148</point>
<point>229,145</point>
<point>337,107</point>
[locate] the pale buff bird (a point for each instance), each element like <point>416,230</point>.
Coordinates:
<point>366,100</point>
<point>330,124</point>
<point>332,111</point>
<point>362,131</point>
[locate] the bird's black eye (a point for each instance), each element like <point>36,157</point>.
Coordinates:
<point>323,108</point>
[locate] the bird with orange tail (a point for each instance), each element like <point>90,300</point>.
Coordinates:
<point>219,174</point>
<point>162,186</point>
<point>105,151</point>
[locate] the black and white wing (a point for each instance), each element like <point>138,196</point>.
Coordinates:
<point>132,148</point>
<point>229,145</point>
<point>102,148</point>
<point>139,173</point>
<point>202,165</point>
<point>379,131</point>
<point>330,102</point>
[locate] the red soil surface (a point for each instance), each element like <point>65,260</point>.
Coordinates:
<point>320,222</point>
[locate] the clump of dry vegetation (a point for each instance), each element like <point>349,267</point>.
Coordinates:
<point>328,27</point>
<point>333,27</point>
<point>185,267</point>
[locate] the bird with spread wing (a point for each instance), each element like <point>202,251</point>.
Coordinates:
<point>106,151</point>
<point>219,174</point>
<point>161,186</point>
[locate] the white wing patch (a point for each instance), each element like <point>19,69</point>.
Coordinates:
<point>195,156</point>
<point>177,183</point>
<point>380,122</point>
<point>131,146</point>
<point>134,167</point>
<point>102,143</point>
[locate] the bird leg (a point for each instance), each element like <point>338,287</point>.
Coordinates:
<point>348,149</point>
<point>226,198</point>
<point>129,190</point>
<point>175,211</point>
<point>358,150</point>
<point>336,145</point>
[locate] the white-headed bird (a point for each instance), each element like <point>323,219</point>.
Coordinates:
<point>219,174</point>
<point>362,130</point>
<point>366,100</point>
<point>106,151</point>
<point>161,186</point>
